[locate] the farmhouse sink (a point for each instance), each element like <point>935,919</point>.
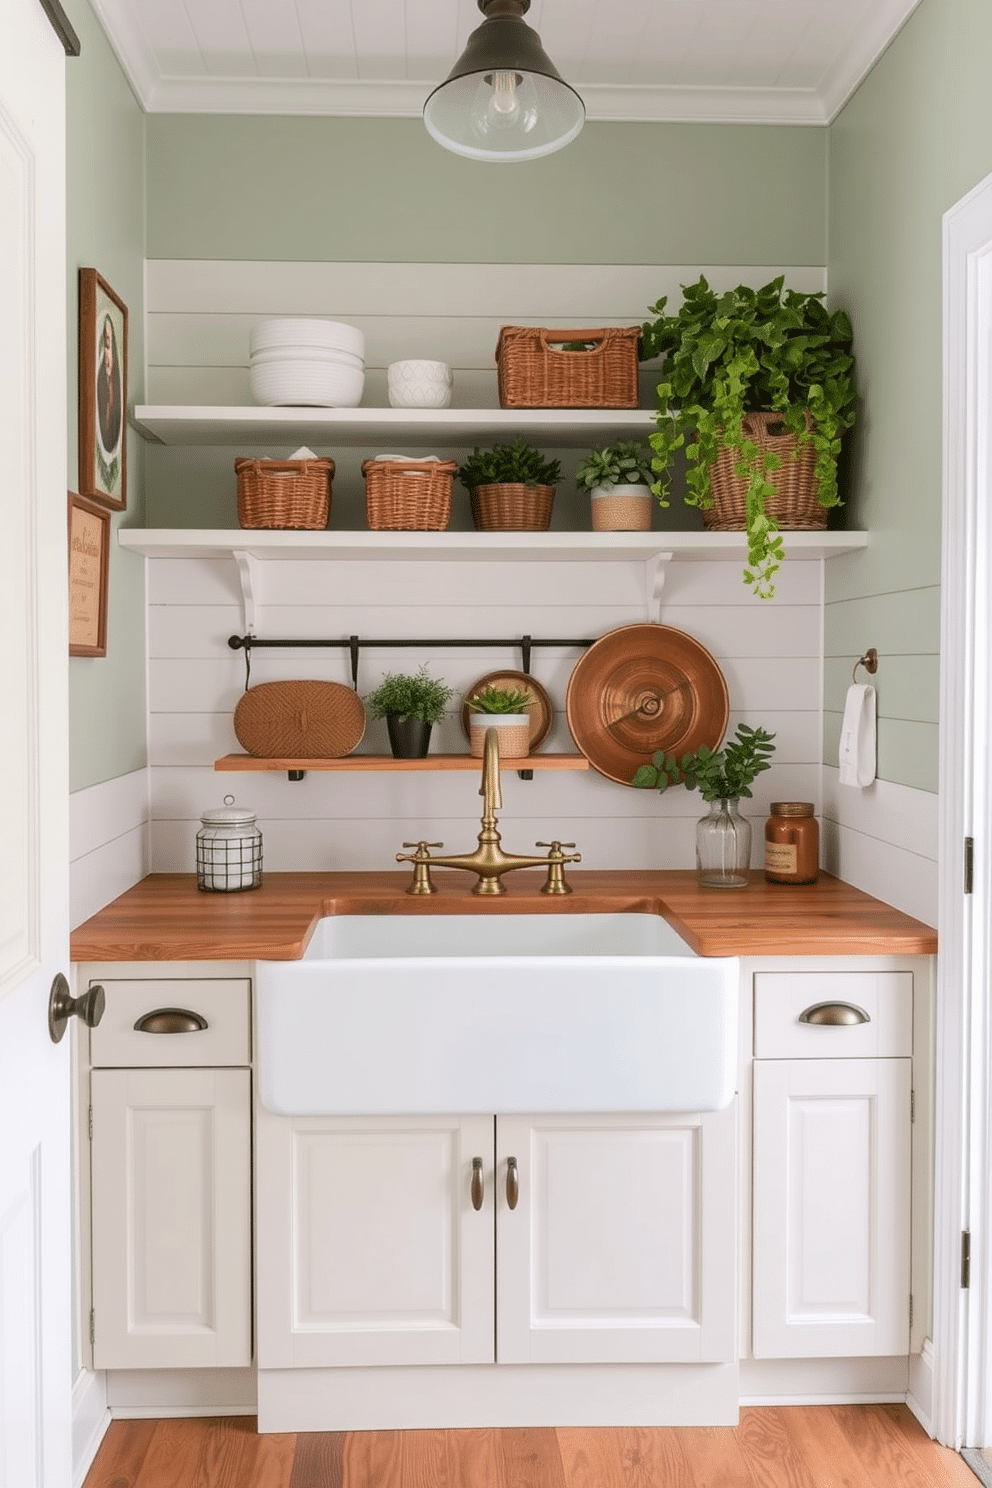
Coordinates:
<point>501,1013</point>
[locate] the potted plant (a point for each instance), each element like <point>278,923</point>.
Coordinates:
<point>501,708</point>
<point>618,478</point>
<point>723,837</point>
<point>411,704</point>
<point>759,387</point>
<point>512,487</point>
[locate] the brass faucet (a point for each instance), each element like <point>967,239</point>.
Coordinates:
<point>489,862</point>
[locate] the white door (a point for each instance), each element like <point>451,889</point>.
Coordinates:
<point>616,1238</point>
<point>35,1307</point>
<point>831,1207</point>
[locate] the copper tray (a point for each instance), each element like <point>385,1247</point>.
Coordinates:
<point>541,711</point>
<point>640,689</point>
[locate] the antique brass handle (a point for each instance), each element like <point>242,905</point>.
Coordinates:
<point>478,1184</point>
<point>170,1020</point>
<point>834,1014</point>
<point>62,1006</point>
<point>512,1183</point>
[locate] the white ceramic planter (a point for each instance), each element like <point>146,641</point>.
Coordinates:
<point>419,384</point>
<point>513,732</point>
<point>621,508</point>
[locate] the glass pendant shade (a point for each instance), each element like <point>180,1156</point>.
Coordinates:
<point>504,99</point>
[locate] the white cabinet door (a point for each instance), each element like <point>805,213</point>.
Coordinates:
<point>621,1247</point>
<point>171,1176</point>
<point>831,1207</point>
<point>370,1249</point>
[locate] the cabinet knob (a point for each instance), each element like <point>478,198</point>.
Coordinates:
<point>512,1183</point>
<point>62,1006</point>
<point>170,1020</point>
<point>834,1014</point>
<point>478,1184</point>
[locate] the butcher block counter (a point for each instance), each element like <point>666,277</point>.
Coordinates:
<point>166,918</point>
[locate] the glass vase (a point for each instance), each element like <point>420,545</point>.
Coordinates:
<point>723,846</point>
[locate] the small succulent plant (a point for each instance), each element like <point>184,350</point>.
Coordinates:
<point>494,699</point>
<point>622,464</point>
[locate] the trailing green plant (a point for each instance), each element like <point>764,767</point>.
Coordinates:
<point>718,774</point>
<point>515,462</point>
<point>494,699</point>
<point>746,351</point>
<point>406,695</point>
<point>622,464</point>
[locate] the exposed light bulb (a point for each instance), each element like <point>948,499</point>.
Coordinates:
<point>504,106</point>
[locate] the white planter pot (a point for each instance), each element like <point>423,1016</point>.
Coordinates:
<point>621,508</point>
<point>513,731</point>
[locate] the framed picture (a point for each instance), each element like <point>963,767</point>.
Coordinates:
<point>89,556</point>
<point>102,392</point>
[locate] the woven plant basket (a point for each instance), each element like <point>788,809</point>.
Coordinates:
<point>284,493</point>
<point>532,373</point>
<point>511,506</point>
<point>794,505</point>
<point>408,495</point>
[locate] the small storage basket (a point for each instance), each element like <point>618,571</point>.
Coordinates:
<point>532,372</point>
<point>408,495</point>
<point>512,506</point>
<point>284,493</point>
<point>794,506</point>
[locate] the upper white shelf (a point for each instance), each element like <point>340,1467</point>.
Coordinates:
<point>420,428</point>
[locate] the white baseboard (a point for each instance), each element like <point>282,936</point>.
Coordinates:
<point>144,1393</point>
<point>109,839</point>
<point>920,1395</point>
<point>823,1381</point>
<point>90,1419</point>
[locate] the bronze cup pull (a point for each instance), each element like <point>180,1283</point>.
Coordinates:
<point>170,1020</point>
<point>478,1184</point>
<point>512,1183</point>
<point>834,1014</point>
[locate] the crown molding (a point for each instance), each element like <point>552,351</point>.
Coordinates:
<point>882,23</point>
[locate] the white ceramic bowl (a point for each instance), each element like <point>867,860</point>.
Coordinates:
<point>332,334</point>
<point>289,356</point>
<point>302,384</point>
<point>419,384</point>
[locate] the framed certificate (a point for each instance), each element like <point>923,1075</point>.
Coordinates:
<point>89,555</point>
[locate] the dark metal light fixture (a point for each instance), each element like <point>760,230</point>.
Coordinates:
<point>504,98</point>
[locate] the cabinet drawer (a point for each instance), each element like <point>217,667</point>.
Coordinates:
<point>781,997</point>
<point>221,1004</point>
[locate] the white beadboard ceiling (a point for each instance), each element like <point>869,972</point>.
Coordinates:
<point>732,61</point>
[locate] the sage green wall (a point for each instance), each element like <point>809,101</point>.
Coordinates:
<point>382,190</point>
<point>105,214</point>
<point>916,137</point>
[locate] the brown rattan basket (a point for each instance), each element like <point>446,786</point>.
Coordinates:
<point>794,506</point>
<point>299,720</point>
<point>284,493</point>
<point>408,495</point>
<point>533,372</point>
<point>511,506</point>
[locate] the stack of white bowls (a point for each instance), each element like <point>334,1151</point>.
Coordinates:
<point>306,364</point>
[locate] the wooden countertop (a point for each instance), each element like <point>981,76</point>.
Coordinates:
<point>166,918</point>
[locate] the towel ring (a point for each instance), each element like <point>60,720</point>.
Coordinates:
<point>869,661</point>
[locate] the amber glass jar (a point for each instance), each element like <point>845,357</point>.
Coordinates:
<point>792,843</point>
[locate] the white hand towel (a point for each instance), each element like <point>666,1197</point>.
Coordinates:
<point>857,737</point>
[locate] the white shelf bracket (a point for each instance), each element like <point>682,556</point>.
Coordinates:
<point>655,573</point>
<point>248,575</point>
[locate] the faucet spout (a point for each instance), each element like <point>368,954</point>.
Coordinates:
<point>490,790</point>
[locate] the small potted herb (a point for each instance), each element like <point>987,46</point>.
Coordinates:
<point>411,704</point>
<point>722,776</point>
<point>618,478</point>
<point>501,708</point>
<point>512,487</point>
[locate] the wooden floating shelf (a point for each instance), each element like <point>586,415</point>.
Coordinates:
<point>368,762</point>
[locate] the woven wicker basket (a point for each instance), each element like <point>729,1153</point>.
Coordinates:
<point>408,495</point>
<point>794,505</point>
<point>284,493</point>
<point>531,373</point>
<point>511,506</point>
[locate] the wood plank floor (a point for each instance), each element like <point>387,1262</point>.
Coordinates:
<point>848,1446</point>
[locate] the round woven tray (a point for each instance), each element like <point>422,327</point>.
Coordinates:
<point>299,720</point>
<point>512,507</point>
<point>794,506</point>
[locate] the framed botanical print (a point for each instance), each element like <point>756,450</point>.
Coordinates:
<point>102,392</point>
<point>89,559</point>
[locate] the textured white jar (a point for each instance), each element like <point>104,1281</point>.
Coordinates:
<point>419,384</point>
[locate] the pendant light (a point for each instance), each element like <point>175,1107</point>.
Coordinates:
<point>504,98</point>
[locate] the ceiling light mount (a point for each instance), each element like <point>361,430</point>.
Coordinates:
<point>504,99</point>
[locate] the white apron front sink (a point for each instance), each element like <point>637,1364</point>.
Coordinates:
<point>501,1013</point>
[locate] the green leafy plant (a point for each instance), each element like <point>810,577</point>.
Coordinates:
<point>405,695</point>
<point>746,351</point>
<point>718,774</point>
<point>494,699</point>
<point>622,464</point>
<point>515,462</point>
